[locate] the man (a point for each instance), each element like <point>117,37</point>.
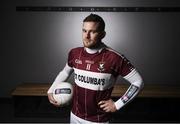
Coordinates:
<point>96,68</point>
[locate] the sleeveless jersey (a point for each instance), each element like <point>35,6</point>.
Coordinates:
<point>94,76</point>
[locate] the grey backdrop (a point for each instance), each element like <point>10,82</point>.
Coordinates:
<point>34,45</point>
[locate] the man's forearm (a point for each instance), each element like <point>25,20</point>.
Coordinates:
<point>136,85</point>
<point>62,76</point>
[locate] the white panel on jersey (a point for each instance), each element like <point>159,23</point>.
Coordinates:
<point>93,80</point>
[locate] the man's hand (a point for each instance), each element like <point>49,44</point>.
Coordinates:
<point>52,100</point>
<point>107,105</point>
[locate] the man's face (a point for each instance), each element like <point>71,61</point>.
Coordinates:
<point>90,34</point>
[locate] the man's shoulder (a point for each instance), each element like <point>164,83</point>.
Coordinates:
<point>76,50</point>
<point>114,52</point>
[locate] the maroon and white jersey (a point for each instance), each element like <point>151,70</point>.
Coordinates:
<point>95,75</point>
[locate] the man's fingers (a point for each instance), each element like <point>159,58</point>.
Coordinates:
<point>106,109</point>
<point>103,105</point>
<point>101,102</point>
<point>107,106</point>
<point>54,103</point>
<point>52,100</point>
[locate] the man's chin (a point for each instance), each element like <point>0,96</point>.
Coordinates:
<point>88,45</point>
<point>91,46</point>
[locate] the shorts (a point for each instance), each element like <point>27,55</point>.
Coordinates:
<point>76,120</point>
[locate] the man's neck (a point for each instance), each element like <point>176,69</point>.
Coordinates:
<point>95,49</point>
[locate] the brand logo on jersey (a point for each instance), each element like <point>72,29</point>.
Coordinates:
<point>89,61</point>
<point>101,66</point>
<point>78,61</point>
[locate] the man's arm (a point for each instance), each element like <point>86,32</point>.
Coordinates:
<point>136,85</point>
<point>62,76</point>
<point>136,82</point>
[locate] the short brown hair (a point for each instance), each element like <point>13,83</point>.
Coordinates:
<point>96,18</point>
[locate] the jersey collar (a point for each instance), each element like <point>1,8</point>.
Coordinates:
<point>93,51</point>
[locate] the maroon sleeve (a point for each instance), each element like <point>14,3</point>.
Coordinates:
<point>125,66</point>
<point>70,58</point>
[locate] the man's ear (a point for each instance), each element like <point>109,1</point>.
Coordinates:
<point>103,34</point>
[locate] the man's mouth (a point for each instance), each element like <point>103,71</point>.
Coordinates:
<point>88,41</point>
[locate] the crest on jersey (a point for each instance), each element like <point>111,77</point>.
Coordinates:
<point>101,66</point>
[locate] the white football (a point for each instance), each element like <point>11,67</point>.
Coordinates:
<point>63,93</point>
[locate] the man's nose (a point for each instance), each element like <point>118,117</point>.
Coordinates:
<point>88,35</point>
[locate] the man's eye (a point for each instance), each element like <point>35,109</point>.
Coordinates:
<point>92,32</point>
